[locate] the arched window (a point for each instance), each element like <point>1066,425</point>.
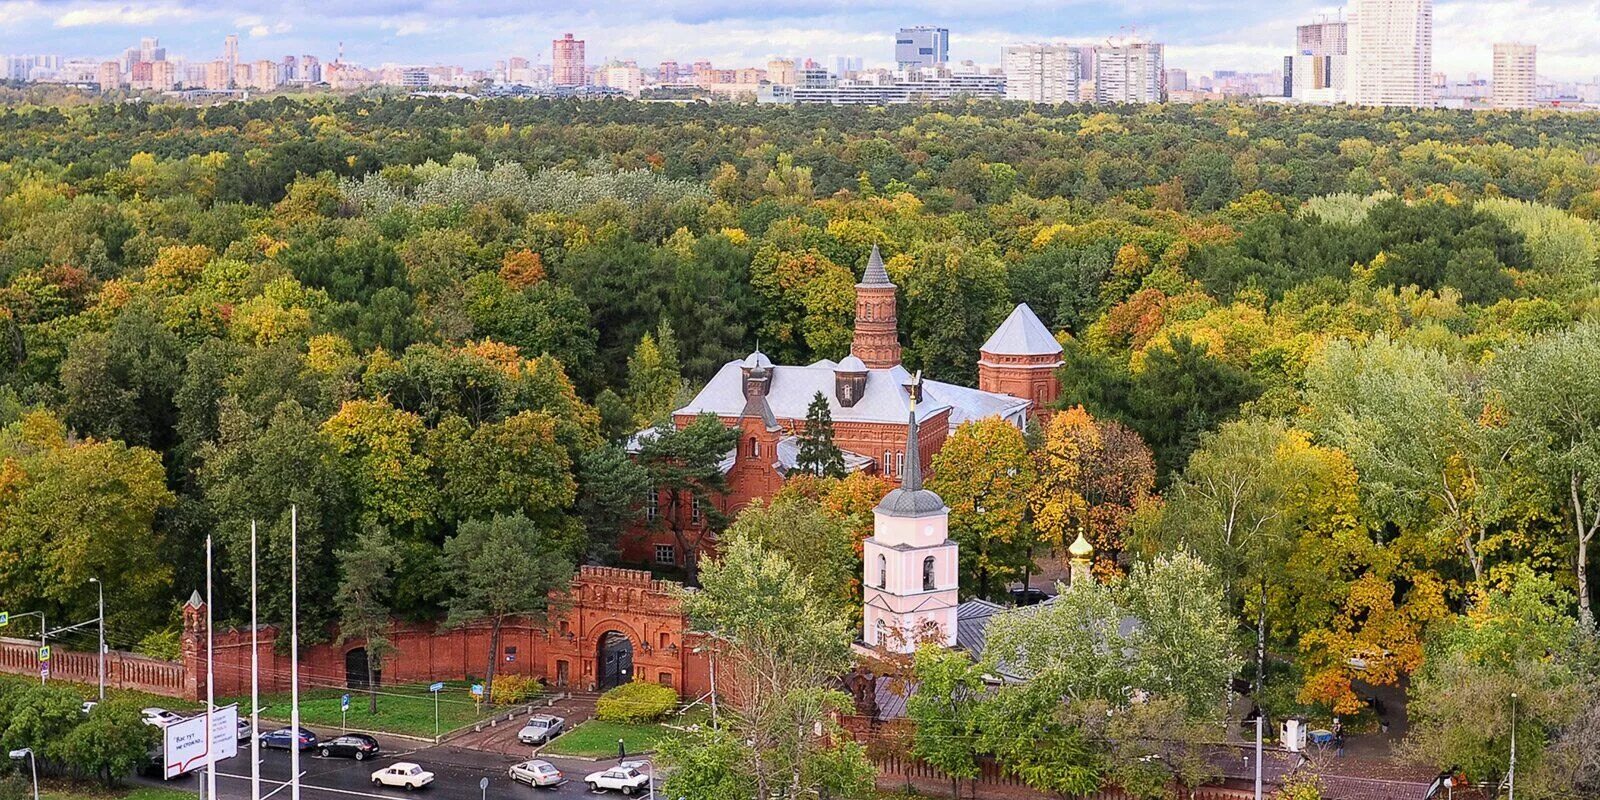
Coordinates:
<point>755,448</point>
<point>882,629</point>
<point>883,572</point>
<point>927,574</point>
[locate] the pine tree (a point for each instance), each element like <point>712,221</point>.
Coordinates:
<point>818,454</point>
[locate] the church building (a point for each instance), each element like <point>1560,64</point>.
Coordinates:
<point>869,398</point>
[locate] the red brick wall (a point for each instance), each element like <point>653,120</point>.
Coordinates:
<point>602,599</point>
<point>123,670</point>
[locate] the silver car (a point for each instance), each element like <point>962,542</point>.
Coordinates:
<point>537,772</point>
<point>541,728</point>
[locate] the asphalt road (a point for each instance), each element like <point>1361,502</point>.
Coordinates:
<point>456,776</point>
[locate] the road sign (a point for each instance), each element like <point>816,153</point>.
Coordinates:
<point>344,703</point>
<point>44,653</point>
<point>44,669</point>
<point>477,690</point>
<point>437,687</point>
<point>5,618</point>
<point>185,746</point>
<point>483,784</point>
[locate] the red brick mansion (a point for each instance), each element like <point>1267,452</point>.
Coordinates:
<point>867,395</point>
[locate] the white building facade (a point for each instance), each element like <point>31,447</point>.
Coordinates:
<point>1515,79</point>
<point>1129,72</point>
<point>1041,73</point>
<point>1391,53</point>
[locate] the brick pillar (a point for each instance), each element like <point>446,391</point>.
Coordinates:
<point>194,648</point>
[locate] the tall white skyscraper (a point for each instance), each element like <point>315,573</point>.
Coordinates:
<point>1041,73</point>
<point>1391,53</point>
<point>1319,67</point>
<point>1129,72</point>
<point>1514,75</point>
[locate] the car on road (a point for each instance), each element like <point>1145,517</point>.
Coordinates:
<point>536,772</point>
<point>625,779</point>
<point>88,706</point>
<point>404,774</point>
<point>541,728</point>
<point>159,717</point>
<point>281,739</point>
<point>358,746</point>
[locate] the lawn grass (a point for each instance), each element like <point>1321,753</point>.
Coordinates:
<point>97,792</point>
<point>598,739</point>
<point>406,710</point>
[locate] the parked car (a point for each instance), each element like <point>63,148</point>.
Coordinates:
<point>281,739</point>
<point>1027,595</point>
<point>541,728</point>
<point>625,779</point>
<point>405,775</point>
<point>159,717</point>
<point>88,706</point>
<point>537,772</point>
<point>358,746</point>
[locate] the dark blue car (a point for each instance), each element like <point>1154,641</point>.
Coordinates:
<point>281,739</point>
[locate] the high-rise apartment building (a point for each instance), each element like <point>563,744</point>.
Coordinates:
<point>150,49</point>
<point>163,76</point>
<point>109,76</point>
<point>218,75</point>
<point>922,47</point>
<point>567,62</point>
<point>1041,73</point>
<point>1177,80</point>
<point>1391,53</point>
<point>667,72</point>
<point>1514,78</point>
<point>1318,70</point>
<point>230,52</point>
<point>781,70</point>
<point>1129,72</point>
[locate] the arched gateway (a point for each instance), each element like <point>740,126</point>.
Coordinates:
<point>614,658</point>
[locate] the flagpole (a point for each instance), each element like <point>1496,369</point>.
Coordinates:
<point>255,677</point>
<point>294,653</point>
<point>211,696</point>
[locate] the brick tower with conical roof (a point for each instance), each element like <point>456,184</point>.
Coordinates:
<point>877,335</point>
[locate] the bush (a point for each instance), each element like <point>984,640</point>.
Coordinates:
<point>161,644</point>
<point>510,689</point>
<point>636,702</point>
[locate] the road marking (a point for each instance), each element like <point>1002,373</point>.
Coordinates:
<point>304,785</point>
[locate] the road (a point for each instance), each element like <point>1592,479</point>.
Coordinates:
<point>456,776</point>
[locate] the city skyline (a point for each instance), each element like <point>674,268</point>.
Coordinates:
<point>1226,34</point>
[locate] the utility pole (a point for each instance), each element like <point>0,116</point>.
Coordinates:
<point>211,689</point>
<point>294,652</point>
<point>1513,775</point>
<point>255,678</point>
<point>1260,716</point>
<point>101,589</point>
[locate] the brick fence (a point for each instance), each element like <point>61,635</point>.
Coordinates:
<point>123,670</point>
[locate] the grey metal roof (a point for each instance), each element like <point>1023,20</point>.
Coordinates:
<point>1022,334</point>
<point>875,274</point>
<point>972,624</point>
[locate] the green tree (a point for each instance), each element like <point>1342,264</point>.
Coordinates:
<point>785,646</point>
<point>611,488</point>
<point>818,454</point>
<point>684,466</point>
<point>985,475</point>
<point>500,568</point>
<point>654,379</point>
<point>119,383</point>
<point>818,543</point>
<point>111,743</point>
<point>364,603</point>
<point>945,708</point>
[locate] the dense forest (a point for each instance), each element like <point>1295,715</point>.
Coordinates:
<point>1350,358</point>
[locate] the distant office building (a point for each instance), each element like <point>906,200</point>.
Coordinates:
<point>1177,80</point>
<point>1041,73</point>
<point>1514,78</point>
<point>781,70</point>
<point>1391,53</point>
<point>310,69</point>
<point>846,66</point>
<point>922,47</point>
<point>877,89</point>
<point>1129,72</point>
<point>150,49</point>
<point>567,67</point>
<point>230,52</point>
<point>415,78</point>
<point>1318,70</point>
<point>109,76</point>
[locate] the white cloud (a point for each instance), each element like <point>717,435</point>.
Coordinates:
<point>121,15</point>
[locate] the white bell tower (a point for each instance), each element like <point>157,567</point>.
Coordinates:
<point>910,570</point>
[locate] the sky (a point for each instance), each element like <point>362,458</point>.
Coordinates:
<point>1201,35</point>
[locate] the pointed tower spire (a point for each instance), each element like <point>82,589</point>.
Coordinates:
<point>877,335</point>
<point>875,275</point>
<point>911,480</point>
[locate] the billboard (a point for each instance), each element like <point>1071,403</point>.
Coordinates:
<point>185,746</point>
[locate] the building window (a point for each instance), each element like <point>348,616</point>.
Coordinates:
<point>652,506</point>
<point>901,459</point>
<point>694,509</point>
<point>755,448</point>
<point>883,572</point>
<point>665,679</point>
<point>927,574</point>
<point>881,630</point>
<point>665,640</point>
<point>666,554</point>
<point>888,464</point>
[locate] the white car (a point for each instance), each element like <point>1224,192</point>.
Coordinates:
<point>159,717</point>
<point>541,728</point>
<point>537,772</point>
<point>625,779</point>
<point>404,775</point>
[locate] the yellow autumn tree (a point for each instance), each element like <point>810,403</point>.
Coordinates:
<point>984,474</point>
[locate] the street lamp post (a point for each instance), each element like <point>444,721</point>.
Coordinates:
<point>100,590</point>
<point>33,766</point>
<point>1512,793</point>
